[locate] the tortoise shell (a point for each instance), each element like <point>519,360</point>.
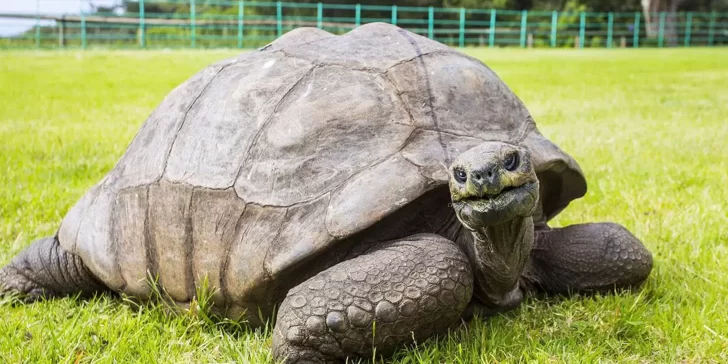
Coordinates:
<point>258,170</point>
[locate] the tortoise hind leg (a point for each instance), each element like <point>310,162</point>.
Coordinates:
<point>398,291</point>
<point>595,257</point>
<point>44,269</point>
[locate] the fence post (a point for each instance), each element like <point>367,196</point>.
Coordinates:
<point>524,22</point>
<point>491,35</point>
<point>636,38</point>
<point>279,19</point>
<point>241,22</point>
<point>582,26</point>
<point>192,23</point>
<point>61,33</point>
<point>83,30</point>
<point>320,15</point>
<point>37,23</point>
<point>431,23</point>
<point>688,29</point>
<point>142,30</point>
<point>610,29</point>
<point>711,29</point>
<point>394,14</point>
<point>554,20</point>
<point>461,41</point>
<point>661,31</point>
<point>358,15</point>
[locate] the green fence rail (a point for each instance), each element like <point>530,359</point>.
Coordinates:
<point>247,24</point>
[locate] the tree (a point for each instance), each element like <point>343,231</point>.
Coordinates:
<point>652,10</point>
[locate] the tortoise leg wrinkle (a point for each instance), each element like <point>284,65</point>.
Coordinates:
<point>596,257</point>
<point>45,270</point>
<point>394,293</point>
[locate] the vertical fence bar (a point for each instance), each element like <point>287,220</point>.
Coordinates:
<point>431,23</point>
<point>357,20</point>
<point>582,28</point>
<point>37,23</point>
<point>142,28</point>
<point>394,14</point>
<point>241,22</point>
<point>554,20</point>
<point>61,33</point>
<point>688,29</point>
<point>279,19</point>
<point>661,31</point>
<point>461,40</point>
<point>491,34</point>
<point>83,30</point>
<point>524,22</point>
<point>610,29</point>
<point>636,31</point>
<point>711,29</point>
<point>192,23</point>
<point>320,15</point>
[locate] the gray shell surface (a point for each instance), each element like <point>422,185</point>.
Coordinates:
<point>263,162</point>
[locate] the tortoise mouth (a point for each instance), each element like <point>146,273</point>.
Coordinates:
<point>480,211</point>
<point>490,197</point>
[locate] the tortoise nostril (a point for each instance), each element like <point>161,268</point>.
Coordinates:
<point>477,176</point>
<point>490,173</point>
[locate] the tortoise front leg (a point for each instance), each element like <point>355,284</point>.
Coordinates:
<point>394,293</point>
<point>586,258</point>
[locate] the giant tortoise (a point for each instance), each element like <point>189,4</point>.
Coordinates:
<point>361,191</point>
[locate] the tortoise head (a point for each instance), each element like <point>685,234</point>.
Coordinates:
<point>492,183</point>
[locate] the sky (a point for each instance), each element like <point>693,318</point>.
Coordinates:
<point>15,26</point>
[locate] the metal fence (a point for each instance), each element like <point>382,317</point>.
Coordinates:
<point>246,24</point>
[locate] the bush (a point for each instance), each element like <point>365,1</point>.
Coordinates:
<point>597,42</point>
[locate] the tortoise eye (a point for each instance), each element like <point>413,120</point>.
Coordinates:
<point>511,162</point>
<point>460,175</point>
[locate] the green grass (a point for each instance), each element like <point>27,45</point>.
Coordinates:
<point>649,128</point>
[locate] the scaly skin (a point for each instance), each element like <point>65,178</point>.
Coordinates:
<point>399,291</point>
<point>587,258</point>
<point>44,269</point>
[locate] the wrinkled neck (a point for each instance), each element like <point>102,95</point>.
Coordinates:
<point>498,254</point>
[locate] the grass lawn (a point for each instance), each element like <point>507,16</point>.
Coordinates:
<point>649,128</point>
